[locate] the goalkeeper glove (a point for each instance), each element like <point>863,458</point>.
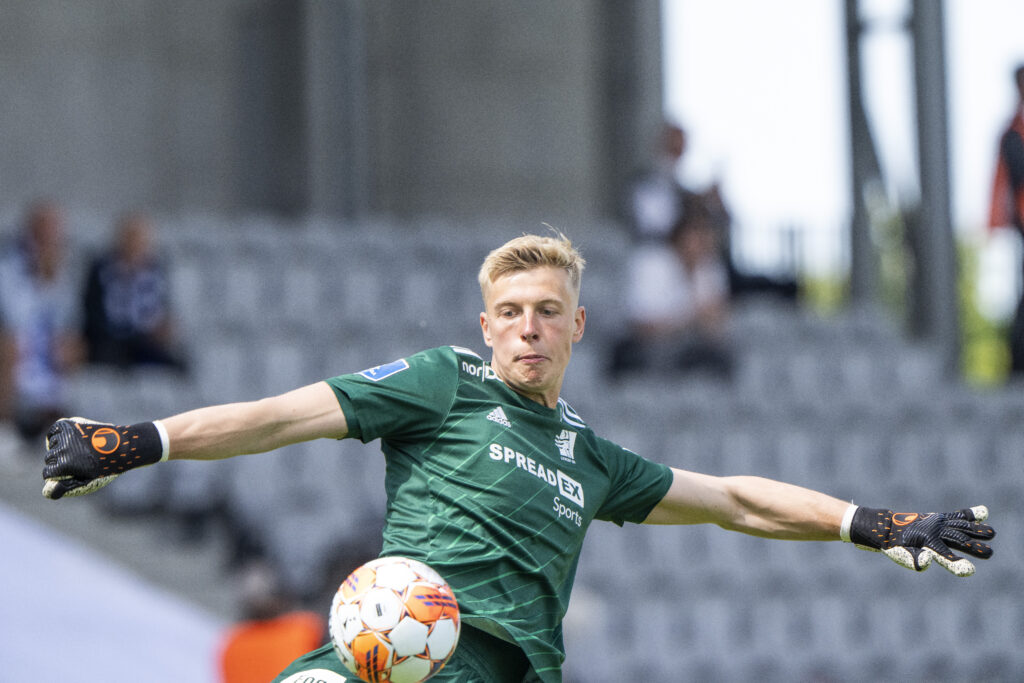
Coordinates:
<point>913,540</point>
<point>83,456</point>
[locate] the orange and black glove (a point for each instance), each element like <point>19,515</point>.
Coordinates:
<point>913,539</point>
<point>83,456</point>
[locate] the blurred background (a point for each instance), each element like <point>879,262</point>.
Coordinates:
<point>211,202</point>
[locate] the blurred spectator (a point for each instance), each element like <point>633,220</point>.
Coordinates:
<point>658,201</point>
<point>38,341</point>
<point>128,319</point>
<point>678,300</point>
<point>657,197</point>
<point>272,633</point>
<point>1007,208</point>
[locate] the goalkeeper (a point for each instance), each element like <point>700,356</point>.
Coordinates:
<point>493,480</point>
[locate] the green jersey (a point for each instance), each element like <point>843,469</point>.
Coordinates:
<point>493,490</point>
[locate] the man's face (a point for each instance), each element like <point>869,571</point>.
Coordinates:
<point>531,321</point>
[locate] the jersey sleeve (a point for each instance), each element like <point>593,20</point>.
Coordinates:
<point>409,397</point>
<point>637,485</point>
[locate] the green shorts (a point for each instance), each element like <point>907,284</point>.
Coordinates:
<point>479,658</point>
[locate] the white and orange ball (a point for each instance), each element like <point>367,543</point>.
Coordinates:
<point>394,620</point>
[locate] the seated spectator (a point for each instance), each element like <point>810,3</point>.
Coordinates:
<point>39,343</point>
<point>128,319</point>
<point>678,302</point>
<point>658,200</point>
<point>656,197</point>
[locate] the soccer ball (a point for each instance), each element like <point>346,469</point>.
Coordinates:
<point>394,620</point>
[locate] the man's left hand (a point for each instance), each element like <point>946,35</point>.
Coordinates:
<point>913,540</point>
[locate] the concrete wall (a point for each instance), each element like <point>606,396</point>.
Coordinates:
<point>341,107</point>
<point>509,109</point>
<point>114,102</point>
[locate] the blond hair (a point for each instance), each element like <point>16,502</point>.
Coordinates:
<point>533,251</point>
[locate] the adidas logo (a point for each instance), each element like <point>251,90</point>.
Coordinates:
<point>498,415</point>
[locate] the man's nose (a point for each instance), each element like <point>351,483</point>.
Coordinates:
<point>528,331</point>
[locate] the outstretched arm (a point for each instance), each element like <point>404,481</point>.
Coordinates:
<point>215,432</point>
<point>773,509</point>
<point>83,455</point>
<point>753,505</point>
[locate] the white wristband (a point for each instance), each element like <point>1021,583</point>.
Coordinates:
<point>844,528</point>
<point>165,441</point>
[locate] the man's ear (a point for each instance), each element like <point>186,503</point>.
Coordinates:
<point>485,329</point>
<point>580,319</point>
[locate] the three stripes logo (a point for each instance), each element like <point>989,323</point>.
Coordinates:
<point>498,416</point>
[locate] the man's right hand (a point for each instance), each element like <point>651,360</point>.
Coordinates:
<point>83,455</point>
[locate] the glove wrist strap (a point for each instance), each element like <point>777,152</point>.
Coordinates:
<point>844,528</point>
<point>870,527</point>
<point>144,443</point>
<point>165,441</point>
